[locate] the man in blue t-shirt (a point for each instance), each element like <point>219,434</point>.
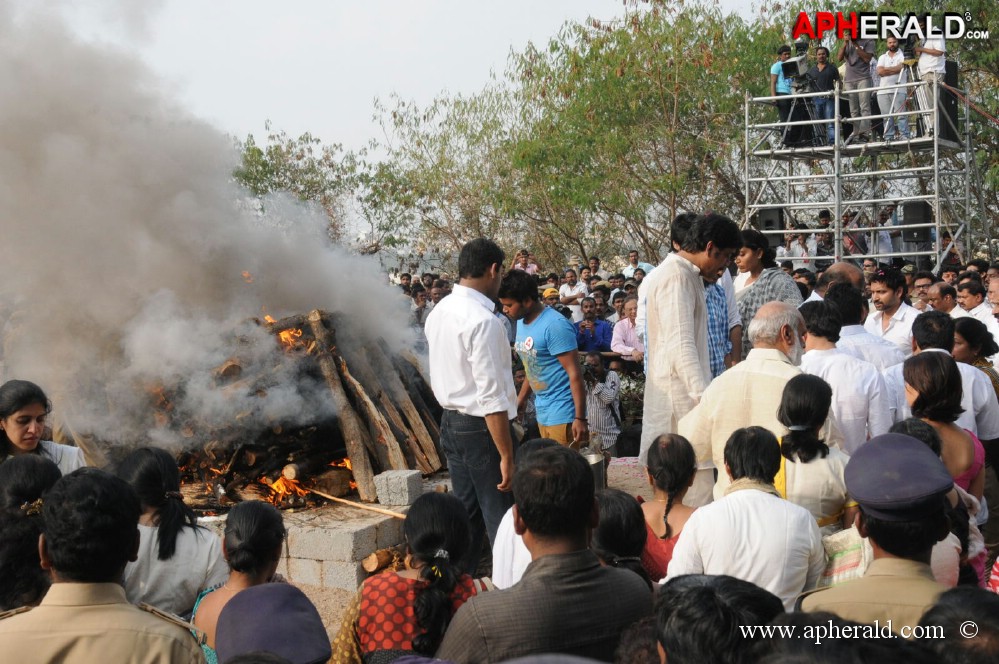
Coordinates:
<point>779,84</point>
<point>546,344</point>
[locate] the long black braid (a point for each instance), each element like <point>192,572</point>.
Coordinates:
<point>672,464</point>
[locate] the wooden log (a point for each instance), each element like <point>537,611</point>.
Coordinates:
<point>381,559</point>
<point>335,481</point>
<point>303,468</point>
<point>381,432</point>
<point>251,491</point>
<point>384,368</point>
<point>297,322</point>
<point>354,435</point>
<point>229,370</point>
<point>360,366</point>
<point>421,394</point>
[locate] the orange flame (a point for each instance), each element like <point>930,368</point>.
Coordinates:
<point>289,339</point>
<point>247,277</point>
<point>283,487</point>
<point>345,463</point>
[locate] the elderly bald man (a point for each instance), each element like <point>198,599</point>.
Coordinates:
<point>748,394</point>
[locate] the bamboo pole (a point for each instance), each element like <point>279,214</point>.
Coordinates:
<point>370,508</point>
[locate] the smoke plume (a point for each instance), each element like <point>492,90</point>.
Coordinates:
<point>124,242</point>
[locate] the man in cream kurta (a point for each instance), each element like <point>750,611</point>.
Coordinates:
<point>749,393</point>
<point>677,369</point>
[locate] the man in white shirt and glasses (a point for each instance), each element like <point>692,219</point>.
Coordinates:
<point>472,378</point>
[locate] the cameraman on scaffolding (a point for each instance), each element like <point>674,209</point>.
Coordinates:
<point>779,84</point>
<point>823,77</point>
<point>932,65</point>
<point>891,69</point>
<point>858,53</point>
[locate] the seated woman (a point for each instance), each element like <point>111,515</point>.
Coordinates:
<point>671,468</point>
<point>933,390</point>
<point>23,409</point>
<point>396,613</point>
<point>811,473</point>
<point>177,558</point>
<point>254,533</point>
<point>23,480</point>
<point>619,537</point>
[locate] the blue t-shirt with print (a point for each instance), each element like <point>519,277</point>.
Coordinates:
<point>783,84</point>
<point>538,345</point>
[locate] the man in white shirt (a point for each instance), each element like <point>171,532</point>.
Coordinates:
<point>859,402</point>
<point>932,65</point>
<point>971,298</point>
<point>934,332</point>
<point>472,378</point>
<point>853,338</point>
<point>752,533</point>
<point>941,296</point>
<point>747,394</point>
<point>892,72</point>
<point>677,366</point>
<point>571,294</point>
<point>794,247</point>
<point>892,318</point>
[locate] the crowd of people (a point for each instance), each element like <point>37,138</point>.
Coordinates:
<point>819,449</point>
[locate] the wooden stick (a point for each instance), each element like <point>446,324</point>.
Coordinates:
<point>370,508</point>
<point>380,559</point>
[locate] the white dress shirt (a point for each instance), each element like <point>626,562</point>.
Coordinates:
<point>899,330</point>
<point>981,408</point>
<point>754,536</point>
<point>470,359</point>
<point>677,367</point>
<point>983,312</point>
<point>857,341</point>
<point>859,402</point>
<point>958,312</point>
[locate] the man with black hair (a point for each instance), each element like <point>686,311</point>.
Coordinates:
<point>90,532</point>
<point>860,399</point>
<point>934,332</point>
<point>472,377</point>
<point>807,277</point>
<point>633,263</point>
<point>900,486</point>
<point>571,293</point>
<point>854,339</point>
<point>971,296</point>
<point>676,326</point>
<point>699,618</point>
<point>592,333</point>
<point>546,344</point>
<point>952,612</point>
<point>921,282</point>
<point>941,296</point>
<point>566,602</point>
<point>734,534</point>
<point>780,85</point>
<point>892,318</point>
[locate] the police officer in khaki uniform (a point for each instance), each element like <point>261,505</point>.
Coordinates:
<point>901,487</point>
<point>90,532</point>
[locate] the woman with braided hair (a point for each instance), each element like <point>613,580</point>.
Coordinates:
<point>399,613</point>
<point>671,468</point>
<point>177,558</point>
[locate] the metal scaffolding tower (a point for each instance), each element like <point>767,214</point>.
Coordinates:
<point>792,172</point>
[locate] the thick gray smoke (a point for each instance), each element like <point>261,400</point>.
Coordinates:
<point>124,242</point>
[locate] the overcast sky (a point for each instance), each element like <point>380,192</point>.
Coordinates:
<point>317,65</point>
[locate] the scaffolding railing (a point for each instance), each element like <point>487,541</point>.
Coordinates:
<point>791,168</point>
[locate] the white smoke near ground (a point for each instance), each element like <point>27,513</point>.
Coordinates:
<point>124,243</point>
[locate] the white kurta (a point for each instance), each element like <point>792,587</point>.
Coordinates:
<point>859,401</point>
<point>677,367</point>
<point>746,395</point>
<point>754,536</point>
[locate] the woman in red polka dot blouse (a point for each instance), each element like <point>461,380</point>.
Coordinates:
<point>397,613</point>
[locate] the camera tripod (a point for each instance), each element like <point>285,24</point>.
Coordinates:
<point>802,108</point>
